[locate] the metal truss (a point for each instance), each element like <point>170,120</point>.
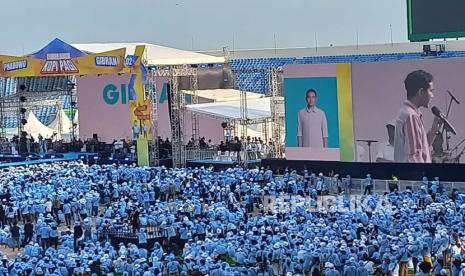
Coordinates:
<point>178,106</point>
<point>154,156</point>
<point>2,110</point>
<point>277,115</point>
<point>243,128</point>
<point>195,116</point>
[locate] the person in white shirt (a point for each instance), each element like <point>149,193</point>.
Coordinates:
<point>386,150</point>
<point>312,127</point>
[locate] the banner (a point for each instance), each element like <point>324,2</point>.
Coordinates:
<point>141,119</point>
<point>62,64</point>
<point>140,107</point>
<point>59,58</point>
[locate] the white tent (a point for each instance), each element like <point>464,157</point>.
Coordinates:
<point>76,117</point>
<point>34,127</point>
<point>61,124</point>
<point>155,54</point>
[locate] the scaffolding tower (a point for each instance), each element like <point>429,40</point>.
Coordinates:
<point>194,116</point>
<point>151,89</point>
<point>2,108</point>
<point>243,160</point>
<point>178,106</point>
<point>276,108</point>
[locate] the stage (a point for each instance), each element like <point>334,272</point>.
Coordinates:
<point>404,171</point>
<point>88,158</point>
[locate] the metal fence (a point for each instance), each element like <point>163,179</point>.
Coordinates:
<point>381,186</point>
<point>216,155</point>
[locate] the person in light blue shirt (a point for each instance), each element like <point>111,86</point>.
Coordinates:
<point>142,236</point>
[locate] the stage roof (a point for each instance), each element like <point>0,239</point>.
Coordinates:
<point>257,109</point>
<point>222,95</point>
<point>156,55</point>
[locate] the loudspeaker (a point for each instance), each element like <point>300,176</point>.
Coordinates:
<point>426,50</point>
<point>95,136</point>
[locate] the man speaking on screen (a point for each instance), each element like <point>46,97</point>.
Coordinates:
<point>412,142</point>
<point>312,128</point>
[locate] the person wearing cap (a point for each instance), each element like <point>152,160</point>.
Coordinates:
<point>368,183</point>
<point>173,267</point>
<point>404,259</point>
<point>277,259</point>
<point>142,237</point>
<point>78,233</point>
<point>330,270</point>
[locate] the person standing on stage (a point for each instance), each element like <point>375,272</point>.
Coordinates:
<point>411,141</point>
<point>312,128</point>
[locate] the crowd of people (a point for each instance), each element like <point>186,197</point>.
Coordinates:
<point>75,219</point>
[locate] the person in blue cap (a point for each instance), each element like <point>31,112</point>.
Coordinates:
<point>368,184</point>
<point>142,237</point>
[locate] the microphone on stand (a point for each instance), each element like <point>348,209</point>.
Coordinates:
<point>453,97</point>
<point>443,117</point>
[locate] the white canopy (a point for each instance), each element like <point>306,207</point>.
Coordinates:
<point>222,95</point>
<point>61,124</point>
<point>34,127</point>
<point>256,109</point>
<point>155,54</point>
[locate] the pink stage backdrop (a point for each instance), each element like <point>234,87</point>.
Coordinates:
<point>109,121</point>
<point>107,113</point>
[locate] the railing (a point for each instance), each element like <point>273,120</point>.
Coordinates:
<point>204,154</point>
<point>381,186</point>
<point>152,231</point>
<point>216,155</point>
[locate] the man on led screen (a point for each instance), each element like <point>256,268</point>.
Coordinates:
<point>411,141</point>
<point>312,128</point>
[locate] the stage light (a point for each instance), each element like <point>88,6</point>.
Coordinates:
<point>22,87</point>
<point>22,99</point>
<point>23,121</point>
<point>53,156</point>
<point>110,158</point>
<point>23,110</point>
<point>95,157</point>
<point>73,104</point>
<point>126,159</point>
<point>224,124</point>
<point>82,157</point>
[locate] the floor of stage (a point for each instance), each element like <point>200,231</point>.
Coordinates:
<point>66,157</point>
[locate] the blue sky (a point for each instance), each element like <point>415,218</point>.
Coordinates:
<point>201,24</point>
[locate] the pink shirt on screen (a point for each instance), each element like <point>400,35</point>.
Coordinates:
<point>312,127</point>
<point>411,140</point>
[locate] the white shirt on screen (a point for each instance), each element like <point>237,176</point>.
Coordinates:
<point>312,127</point>
<point>360,153</point>
<point>386,152</point>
